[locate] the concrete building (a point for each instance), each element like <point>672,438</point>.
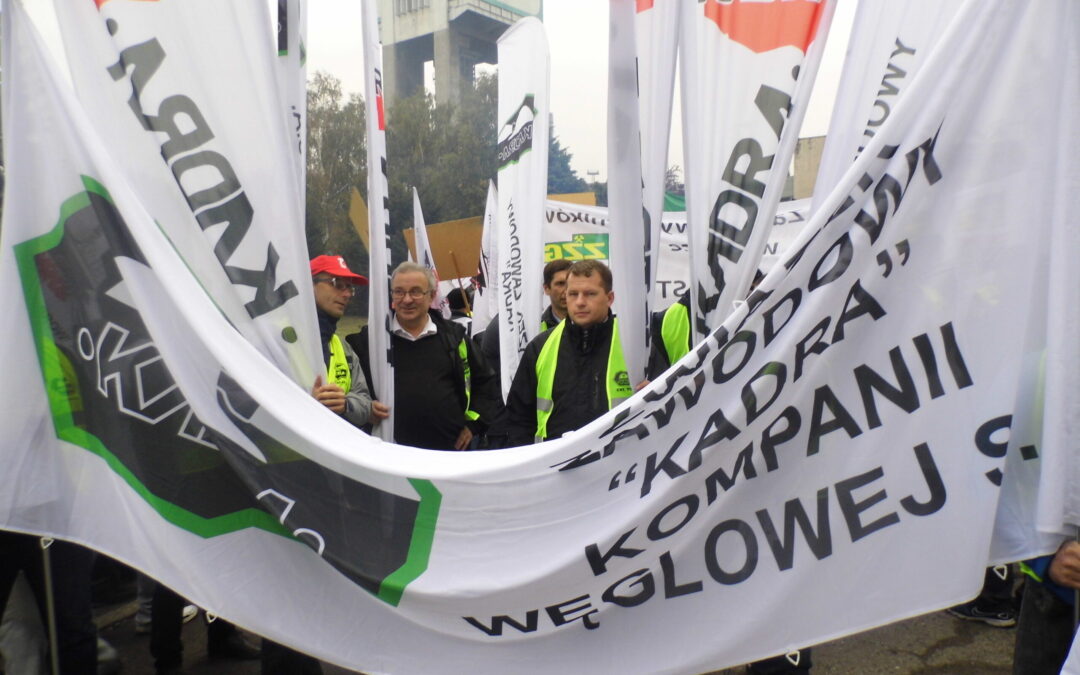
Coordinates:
<point>455,35</point>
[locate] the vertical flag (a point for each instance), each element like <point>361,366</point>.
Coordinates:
<point>628,237</point>
<point>657,39</point>
<point>522,158</point>
<point>378,199</point>
<point>424,255</point>
<point>747,70</point>
<point>291,69</point>
<point>889,43</point>
<point>483,305</point>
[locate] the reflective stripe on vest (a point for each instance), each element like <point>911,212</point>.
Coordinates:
<point>463,354</point>
<point>675,332</point>
<point>617,376</point>
<point>338,371</point>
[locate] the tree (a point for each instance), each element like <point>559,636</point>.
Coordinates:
<point>336,162</point>
<point>562,178</point>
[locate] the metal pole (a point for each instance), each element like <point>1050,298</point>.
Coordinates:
<point>50,608</point>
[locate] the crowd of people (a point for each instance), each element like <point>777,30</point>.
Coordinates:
<point>446,396</point>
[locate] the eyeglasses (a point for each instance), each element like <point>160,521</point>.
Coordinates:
<point>413,293</point>
<point>338,283</point>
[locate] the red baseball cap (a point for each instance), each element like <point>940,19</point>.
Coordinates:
<point>335,265</point>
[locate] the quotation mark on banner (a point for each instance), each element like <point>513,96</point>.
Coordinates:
<point>883,258</point>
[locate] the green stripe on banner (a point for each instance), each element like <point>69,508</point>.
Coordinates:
<point>52,360</point>
<point>423,534</point>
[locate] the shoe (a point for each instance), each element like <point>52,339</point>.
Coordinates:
<point>234,647</point>
<point>190,612</point>
<point>1004,617</point>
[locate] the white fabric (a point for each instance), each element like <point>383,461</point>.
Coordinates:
<point>425,256</point>
<point>483,304</point>
<point>819,448</point>
<point>378,196</point>
<point>213,158</point>
<point>522,161</point>
<point>628,244</point>
<point>747,69</point>
<point>656,27</point>
<point>397,329</point>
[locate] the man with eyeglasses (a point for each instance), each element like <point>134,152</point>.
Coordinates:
<point>343,390</point>
<point>444,391</point>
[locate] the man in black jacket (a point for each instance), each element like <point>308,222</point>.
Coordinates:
<point>444,392</point>
<point>575,372</point>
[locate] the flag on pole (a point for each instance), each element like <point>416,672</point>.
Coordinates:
<point>747,71</point>
<point>378,199</point>
<point>629,238</point>
<point>522,159</point>
<point>424,255</point>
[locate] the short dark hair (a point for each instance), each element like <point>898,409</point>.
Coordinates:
<point>553,268</point>
<point>586,268</point>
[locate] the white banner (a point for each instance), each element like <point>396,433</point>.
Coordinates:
<point>522,159</point>
<point>657,38</point>
<point>839,436</point>
<point>424,255</point>
<point>291,69</point>
<point>889,43</point>
<point>378,202</point>
<point>747,71</point>
<point>578,232</point>
<point>483,305</point>
<point>629,241</point>
<point>203,157</point>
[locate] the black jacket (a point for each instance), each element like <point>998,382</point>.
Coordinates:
<point>579,391</point>
<point>486,399</point>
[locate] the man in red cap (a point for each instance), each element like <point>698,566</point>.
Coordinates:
<point>344,390</point>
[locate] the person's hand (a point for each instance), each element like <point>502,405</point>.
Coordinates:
<point>463,439</point>
<point>330,395</point>
<point>1065,567</point>
<point>379,411</point>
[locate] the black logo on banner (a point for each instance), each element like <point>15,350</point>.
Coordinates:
<point>516,135</point>
<point>111,393</point>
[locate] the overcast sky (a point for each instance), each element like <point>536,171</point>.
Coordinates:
<point>577,32</point>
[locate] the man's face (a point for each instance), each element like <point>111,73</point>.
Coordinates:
<point>557,292</point>
<point>586,300</point>
<point>332,294</point>
<point>411,296</point>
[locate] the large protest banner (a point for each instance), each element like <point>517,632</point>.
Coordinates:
<point>208,159</point>
<point>522,160</point>
<point>378,200</point>
<point>747,72</point>
<point>836,439</point>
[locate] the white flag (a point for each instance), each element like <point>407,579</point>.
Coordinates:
<point>424,255</point>
<point>629,238</point>
<point>378,202</point>
<point>483,305</point>
<point>291,69</point>
<point>747,71</point>
<point>522,159</point>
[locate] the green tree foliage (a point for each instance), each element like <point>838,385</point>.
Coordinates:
<point>446,151</point>
<point>562,178</point>
<point>336,162</point>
